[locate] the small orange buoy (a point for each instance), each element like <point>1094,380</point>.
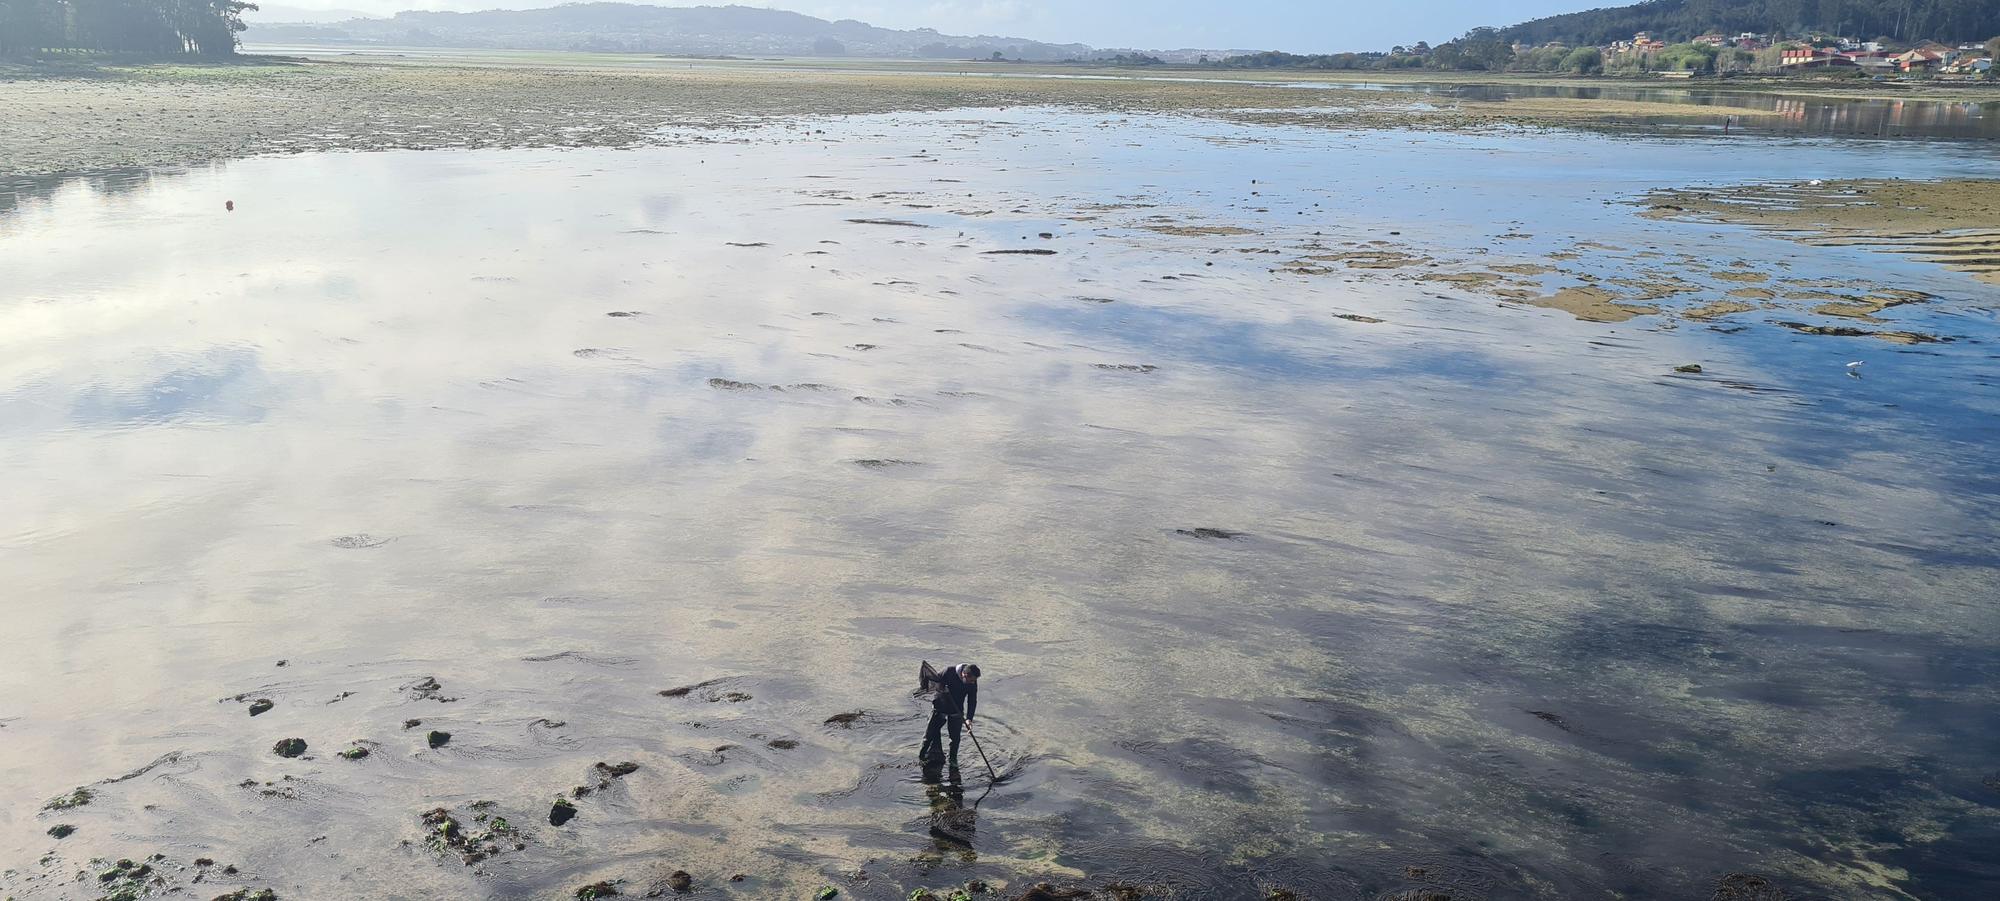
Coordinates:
<point>229,205</point>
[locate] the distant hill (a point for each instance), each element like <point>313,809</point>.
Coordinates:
<point>278,12</point>
<point>705,30</point>
<point>1680,20</point>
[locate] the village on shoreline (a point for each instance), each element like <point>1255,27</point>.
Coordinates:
<point>1759,53</point>
<point>1714,54</point>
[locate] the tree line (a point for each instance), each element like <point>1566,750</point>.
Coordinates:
<point>154,27</point>
<point>1481,49</point>
<point>1906,21</point>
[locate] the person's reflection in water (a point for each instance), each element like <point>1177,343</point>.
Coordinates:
<point>952,824</point>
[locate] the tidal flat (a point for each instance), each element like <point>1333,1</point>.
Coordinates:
<point>1394,510</point>
<point>70,119</point>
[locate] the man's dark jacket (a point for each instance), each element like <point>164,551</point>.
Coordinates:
<point>955,697</point>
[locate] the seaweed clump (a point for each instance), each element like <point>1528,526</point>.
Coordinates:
<point>77,798</point>
<point>1046,892</point>
<point>127,881</point>
<point>446,835</point>
<point>956,894</point>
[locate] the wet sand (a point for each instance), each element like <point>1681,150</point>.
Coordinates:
<point>1593,304</point>
<point>1949,222</point>
<point>606,498</point>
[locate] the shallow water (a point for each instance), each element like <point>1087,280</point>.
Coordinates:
<point>1479,598</point>
<point>1799,114</point>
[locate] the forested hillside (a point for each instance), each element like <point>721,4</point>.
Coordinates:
<point>1680,20</point>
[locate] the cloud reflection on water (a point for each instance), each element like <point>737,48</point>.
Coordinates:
<point>1728,603</point>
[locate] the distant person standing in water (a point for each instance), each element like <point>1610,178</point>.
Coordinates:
<point>956,702</point>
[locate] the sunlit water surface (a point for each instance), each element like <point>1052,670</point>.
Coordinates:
<point>1514,611</point>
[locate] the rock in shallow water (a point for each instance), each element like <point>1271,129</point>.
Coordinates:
<point>428,689</point>
<point>289,747</point>
<point>244,894</point>
<point>685,690</point>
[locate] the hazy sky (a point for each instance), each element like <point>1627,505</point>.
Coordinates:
<point>1299,25</point>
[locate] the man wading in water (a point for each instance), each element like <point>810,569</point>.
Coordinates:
<point>956,702</point>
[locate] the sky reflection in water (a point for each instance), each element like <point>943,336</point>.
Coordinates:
<point>1513,611</point>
